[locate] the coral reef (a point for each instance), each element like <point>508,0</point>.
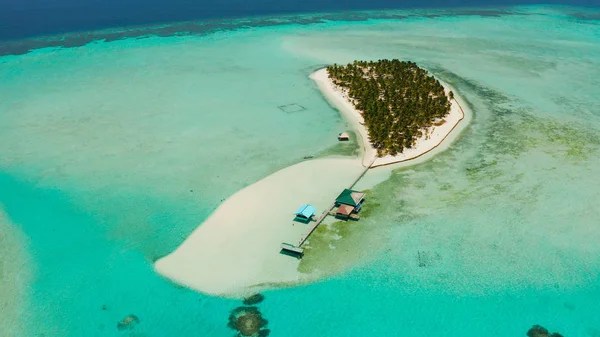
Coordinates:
<point>248,321</point>
<point>540,331</point>
<point>128,323</point>
<point>254,299</point>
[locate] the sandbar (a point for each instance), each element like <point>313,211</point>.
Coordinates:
<point>235,252</point>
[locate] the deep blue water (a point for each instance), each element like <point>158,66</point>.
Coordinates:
<point>19,19</point>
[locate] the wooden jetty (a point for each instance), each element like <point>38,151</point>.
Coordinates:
<point>315,225</point>
<point>297,250</point>
<point>329,209</point>
<point>289,248</point>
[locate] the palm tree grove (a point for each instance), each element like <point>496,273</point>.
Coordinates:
<point>398,100</point>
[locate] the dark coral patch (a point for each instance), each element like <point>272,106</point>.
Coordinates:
<point>248,321</point>
<point>540,331</point>
<point>254,299</point>
<point>128,322</point>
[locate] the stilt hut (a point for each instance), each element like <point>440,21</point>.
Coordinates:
<point>343,212</point>
<point>305,213</point>
<point>350,197</point>
<point>349,203</point>
<point>342,136</point>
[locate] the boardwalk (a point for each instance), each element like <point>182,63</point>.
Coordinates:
<point>328,210</point>
<point>314,226</point>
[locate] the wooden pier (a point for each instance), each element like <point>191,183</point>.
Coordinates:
<point>292,249</point>
<point>315,225</point>
<point>328,210</point>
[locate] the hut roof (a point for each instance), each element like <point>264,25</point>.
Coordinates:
<point>345,210</point>
<point>350,197</point>
<point>306,211</point>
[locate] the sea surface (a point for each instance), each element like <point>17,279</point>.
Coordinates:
<point>19,18</point>
<point>115,148</point>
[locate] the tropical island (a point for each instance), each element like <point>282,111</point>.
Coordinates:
<point>399,110</point>
<point>408,113</point>
<point>398,100</point>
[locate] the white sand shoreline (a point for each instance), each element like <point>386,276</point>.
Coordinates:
<point>434,136</point>
<point>235,252</point>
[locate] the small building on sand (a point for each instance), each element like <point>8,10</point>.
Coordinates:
<point>305,213</point>
<point>344,211</point>
<point>349,203</point>
<point>350,197</point>
<point>342,136</point>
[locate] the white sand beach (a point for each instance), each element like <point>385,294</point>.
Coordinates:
<point>236,250</point>
<point>431,139</point>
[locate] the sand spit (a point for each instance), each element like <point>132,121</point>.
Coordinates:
<point>236,250</point>
<point>432,138</point>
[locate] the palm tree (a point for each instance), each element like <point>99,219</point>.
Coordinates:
<point>398,99</point>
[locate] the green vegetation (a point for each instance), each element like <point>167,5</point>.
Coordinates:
<point>397,98</point>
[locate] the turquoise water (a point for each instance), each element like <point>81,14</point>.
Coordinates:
<point>113,152</point>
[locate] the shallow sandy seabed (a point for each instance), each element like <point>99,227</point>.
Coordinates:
<point>14,277</point>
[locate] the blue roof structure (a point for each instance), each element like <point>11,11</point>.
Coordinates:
<point>306,211</point>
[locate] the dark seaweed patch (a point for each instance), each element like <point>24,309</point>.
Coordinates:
<point>254,299</point>
<point>509,133</point>
<point>586,16</point>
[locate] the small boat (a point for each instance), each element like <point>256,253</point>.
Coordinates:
<point>308,157</point>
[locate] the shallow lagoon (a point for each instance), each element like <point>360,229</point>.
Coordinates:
<point>112,152</point>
